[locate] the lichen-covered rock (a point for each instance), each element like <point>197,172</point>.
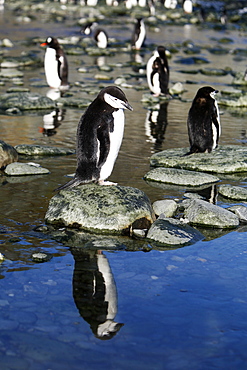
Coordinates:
<point>180,177</point>
<point>102,209</point>
<point>24,169</point>
<point>233,192</point>
<point>225,159</point>
<point>32,150</point>
<point>26,101</point>
<point>8,154</point>
<point>172,232</point>
<point>202,213</point>
<point>240,211</point>
<point>166,207</point>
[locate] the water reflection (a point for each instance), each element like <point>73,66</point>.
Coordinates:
<point>95,293</point>
<point>156,124</point>
<point>52,120</point>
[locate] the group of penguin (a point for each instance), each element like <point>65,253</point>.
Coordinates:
<point>101,128</point>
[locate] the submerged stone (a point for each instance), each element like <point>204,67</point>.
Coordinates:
<point>180,177</point>
<point>23,169</point>
<point>172,232</point>
<point>26,101</point>
<point>225,159</point>
<point>202,213</point>
<point>8,154</point>
<point>32,150</point>
<point>233,192</point>
<point>101,209</point>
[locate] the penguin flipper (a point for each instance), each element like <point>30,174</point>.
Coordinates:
<point>70,184</point>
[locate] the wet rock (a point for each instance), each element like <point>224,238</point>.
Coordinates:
<point>41,257</point>
<point>102,209</point>
<point>231,102</point>
<point>10,73</point>
<point>192,60</point>
<point>32,150</point>
<point>177,89</point>
<point>239,79</point>
<point>233,192</point>
<point>225,159</point>
<point>25,101</point>
<point>202,213</point>
<point>20,61</point>
<point>6,43</point>
<point>22,169</point>
<point>180,177</point>
<point>240,211</point>
<point>232,92</point>
<point>167,207</point>
<point>172,232</point>
<point>8,154</point>
<point>213,72</point>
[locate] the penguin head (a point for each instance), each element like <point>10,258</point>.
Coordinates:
<point>115,97</point>
<point>51,42</point>
<point>206,92</point>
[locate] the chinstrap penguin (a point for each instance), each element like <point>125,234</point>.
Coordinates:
<point>158,72</point>
<point>56,64</point>
<point>138,35</point>
<point>99,137</point>
<point>204,121</point>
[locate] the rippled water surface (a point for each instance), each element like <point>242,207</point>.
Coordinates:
<point>170,309</point>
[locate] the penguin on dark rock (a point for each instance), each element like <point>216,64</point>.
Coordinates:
<point>204,121</point>
<point>99,137</point>
<point>139,34</point>
<point>158,72</point>
<point>56,64</point>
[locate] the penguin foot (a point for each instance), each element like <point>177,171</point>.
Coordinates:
<point>107,183</point>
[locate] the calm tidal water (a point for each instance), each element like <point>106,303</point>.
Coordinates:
<point>171,309</point>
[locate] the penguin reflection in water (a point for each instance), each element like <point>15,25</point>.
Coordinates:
<point>99,137</point>
<point>204,122</point>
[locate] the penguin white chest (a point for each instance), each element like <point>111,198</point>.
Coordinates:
<point>102,40</point>
<point>51,68</point>
<point>116,138</point>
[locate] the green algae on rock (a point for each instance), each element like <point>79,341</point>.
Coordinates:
<point>101,209</point>
<point>32,150</point>
<point>26,101</point>
<point>233,192</point>
<point>8,154</point>
<point>225,159</point>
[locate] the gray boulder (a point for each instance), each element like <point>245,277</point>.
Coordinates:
<point>180,177</point>
<point>26,101</point>
<point>202,213</point>
<point>167,207</point>
<point>32,150</point>
<point>240,211</point>
<point>225,159</point>
<point>102,209</point>
<point>8,154</point>
<point>24,169</point>
<point>233,192</point>
<point>172,232</point>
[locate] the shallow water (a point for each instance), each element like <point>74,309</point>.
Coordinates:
<point>181,309</point>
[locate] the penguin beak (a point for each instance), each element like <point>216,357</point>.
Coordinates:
<point>44,44</point>
<point>126,105</point>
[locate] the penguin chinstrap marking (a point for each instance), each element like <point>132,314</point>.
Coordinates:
<point>158,72</point>
<point>99,137</point>
<point>204,122</point>
<point>56,64</point>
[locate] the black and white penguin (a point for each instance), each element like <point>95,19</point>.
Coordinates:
<point>188,6</point>
<point>101,38</point>
<point>158,72</point>
<point>99,137</point>
<point>139,34</point>
<point>56,64</point>
<point>204,121</point>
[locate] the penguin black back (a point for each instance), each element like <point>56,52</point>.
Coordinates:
<point>138,35</point>
<point>158,72</point>
<point>203,121</point>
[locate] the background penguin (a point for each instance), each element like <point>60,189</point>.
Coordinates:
<point>158,72</point>
<point>56,64</point>
<point>204,122</point>
<point>99,137</point>
<point>138,35</point>
<point>101,38</point>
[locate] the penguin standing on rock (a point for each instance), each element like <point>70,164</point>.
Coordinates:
<point>99,137</point>
<point>204,121</point>
<point>158,72</point>
<point>56,64</point>
<point>138,35</point>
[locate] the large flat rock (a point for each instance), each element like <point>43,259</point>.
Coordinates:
<point>225,159</point>
<point>102,209</point>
